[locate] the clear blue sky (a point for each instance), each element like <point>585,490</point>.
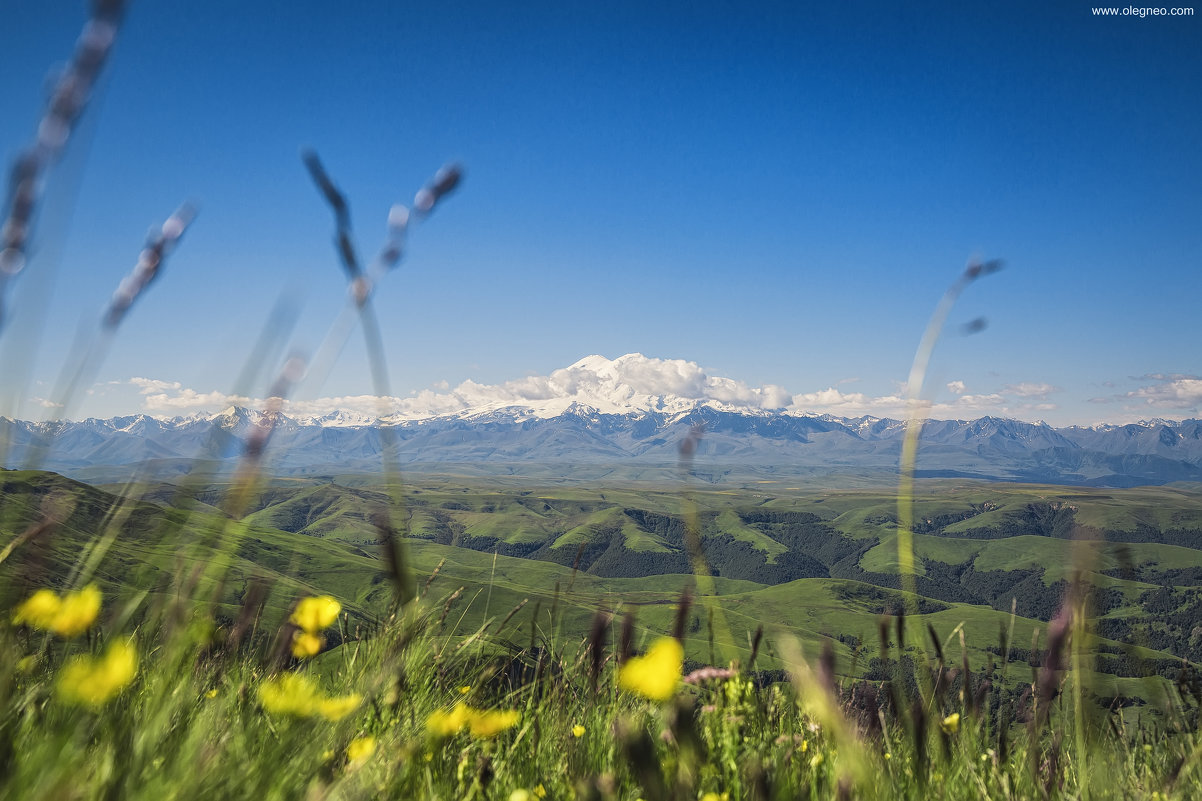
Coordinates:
<point>779,192</point>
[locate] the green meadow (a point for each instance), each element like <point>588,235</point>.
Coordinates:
<point>1049,651</point>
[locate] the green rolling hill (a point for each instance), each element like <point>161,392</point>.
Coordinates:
<point>818,564</point>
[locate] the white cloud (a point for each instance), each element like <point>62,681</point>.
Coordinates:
<point>630,381</point>
<point>854,404</point>
<point>148,386</point>
<point>173,397</point>
<point>1029,389</point>
<point>627,383</point>
<point>1169,394</point>
<point>1173,392</point>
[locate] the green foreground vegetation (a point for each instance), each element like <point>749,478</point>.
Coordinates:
<point>488,655</point>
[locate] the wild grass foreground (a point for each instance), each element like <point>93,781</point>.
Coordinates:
<point>102,698</point>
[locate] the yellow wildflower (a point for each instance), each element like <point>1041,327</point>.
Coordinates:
<point>92,681</point>
<point>444,724</point>
<point>306,645</point>
<point>490,724</point>
<point>465,689</point>
<point>540,791</point>
<point>294,694</point>
<point>360,750</point>
<point>39,610</point>
<point>479,722</point>
<point>289,694</point>
<point>338,708</point>
<point>211,694</point>
<point>68,616</point>
<point>577,730</point>
<point>951,724</point>
<point>520,794</point>
<point>78,611</point>
<point>315,613</point>
<point>655,674</point>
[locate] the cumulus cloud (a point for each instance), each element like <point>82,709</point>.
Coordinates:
<point>831,399</point>
<point>173,397</point>
<point>1171,392</point>
<point>630,381</point>
<point>627,383</point>
<point>148,386</point>
<point>855,404</point>
<point>1162,394</point>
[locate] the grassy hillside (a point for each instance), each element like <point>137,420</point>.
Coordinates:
<point>819,565</point>
<point>529,599</point>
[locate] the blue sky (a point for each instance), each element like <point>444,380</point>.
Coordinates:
<point>777,192</point>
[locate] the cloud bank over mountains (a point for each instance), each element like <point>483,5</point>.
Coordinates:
<point>635,382</point>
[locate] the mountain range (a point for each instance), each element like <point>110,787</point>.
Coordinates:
<point>582,441</point>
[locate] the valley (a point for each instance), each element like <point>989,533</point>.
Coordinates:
<point>817,563</point>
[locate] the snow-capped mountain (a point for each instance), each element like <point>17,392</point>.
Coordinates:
<point>632,430</point>
<point>629,384</point>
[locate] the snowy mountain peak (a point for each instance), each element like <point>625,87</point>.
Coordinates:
<point>339,418</point>
<point>630,384</point>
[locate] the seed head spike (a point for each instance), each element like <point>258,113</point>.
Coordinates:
<point>442,184</point>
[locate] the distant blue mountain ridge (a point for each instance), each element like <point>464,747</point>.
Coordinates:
<point>581,439</point>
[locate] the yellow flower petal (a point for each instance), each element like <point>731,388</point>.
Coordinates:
<point>951,724</point>
<point>444,724</point>
<point>93,681</point>
<point>306,645</point>
<point>360,750</point>
<point>577,731</point>
<point>39,610</point>
<point>479,722</point>
<point>289,694</point>
<point>78,612</point>
<point>298,695</point>
<point>316,613</point>
<point>338,708</point>
<point>655,674</point>
<point>68,616</point>
<point>490,724</point>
